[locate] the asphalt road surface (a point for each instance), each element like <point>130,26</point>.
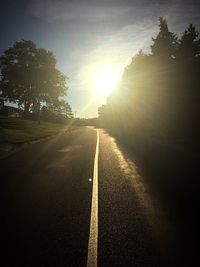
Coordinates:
<point>46,198</point>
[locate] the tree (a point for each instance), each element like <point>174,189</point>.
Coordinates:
<point>189,44</point>
<point>59,112</point>
<point>158,91</point>
<point>164,45</point>
<point>63,108</point>
<point>188,70</point>
<point>29,76</point>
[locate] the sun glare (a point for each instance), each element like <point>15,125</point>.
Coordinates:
<point>105,81</point>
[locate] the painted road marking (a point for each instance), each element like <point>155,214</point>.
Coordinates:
<point>93,238</point>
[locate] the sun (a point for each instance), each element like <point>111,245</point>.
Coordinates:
<point>105,81</point>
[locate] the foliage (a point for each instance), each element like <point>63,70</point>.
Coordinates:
<point>29,77</point>
<point>158,96</point>
<point>61,112</point>
<point>165,43</point>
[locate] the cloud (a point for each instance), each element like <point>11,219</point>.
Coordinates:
<point>51,10</point>
<point>111,13</point>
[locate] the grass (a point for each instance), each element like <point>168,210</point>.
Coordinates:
<point>16,130</point>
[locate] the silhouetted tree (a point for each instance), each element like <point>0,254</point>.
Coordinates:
<point>188,77</point>
<point>164,44</point>
<point>29,76</point>
<point>158,95</point>
<point>189,44</point>
<point>60,112</point>
<point>61,107</point>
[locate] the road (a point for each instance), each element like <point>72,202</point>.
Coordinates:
<point>46,192</point>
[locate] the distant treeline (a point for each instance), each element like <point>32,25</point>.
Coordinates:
<point>29,77</point>
<point>158,97</point>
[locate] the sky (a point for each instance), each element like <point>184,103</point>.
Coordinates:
<point>88,35</point>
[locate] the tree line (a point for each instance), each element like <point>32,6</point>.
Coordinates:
<point>158,96</point>
<point>29,77</point>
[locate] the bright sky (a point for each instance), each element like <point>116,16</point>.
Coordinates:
<point>93,40</point>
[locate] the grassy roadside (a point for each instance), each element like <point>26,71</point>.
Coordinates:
<point>17,131</point>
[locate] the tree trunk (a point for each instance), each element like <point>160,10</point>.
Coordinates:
<point>26,108</point>
<point>39,114</point>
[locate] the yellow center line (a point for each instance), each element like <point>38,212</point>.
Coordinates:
<point>93,238</point>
